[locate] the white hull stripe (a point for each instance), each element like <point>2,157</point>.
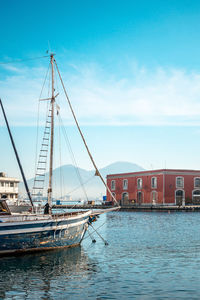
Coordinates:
<point>32,224</point>
<point>40,229</point>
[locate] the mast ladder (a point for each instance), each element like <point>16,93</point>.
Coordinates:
<point>39,180</point>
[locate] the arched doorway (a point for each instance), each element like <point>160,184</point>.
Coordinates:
<point>139,197</point>
<point>125,199</point>
<point>179,197</point>
<point>196,197</point>
<point>154,197</point>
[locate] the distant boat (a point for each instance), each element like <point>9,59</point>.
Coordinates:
<point>44,231</point>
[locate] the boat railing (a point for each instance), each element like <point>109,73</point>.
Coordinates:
<point>67,214</point>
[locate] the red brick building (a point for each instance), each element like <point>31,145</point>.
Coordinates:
<point>156,187</point>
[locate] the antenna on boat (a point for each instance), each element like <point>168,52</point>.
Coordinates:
<point>17,156</point>
<point>49,192</point>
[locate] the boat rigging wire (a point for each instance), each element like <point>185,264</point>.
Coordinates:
<point>17,156</point>
<point>60,158</point>
<point>37,134</point>
<point>22,60</point>
<point>84,183</point>
<point>105,242</point>
<point>59,138</point>
<point>72,156</point>
<point>86,237</point>
<point>90,235</point>
<point>80,131</point>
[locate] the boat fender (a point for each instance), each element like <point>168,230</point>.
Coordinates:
<point>92,219</point>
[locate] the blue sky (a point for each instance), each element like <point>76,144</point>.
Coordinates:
<point>131,68</point>
<point>153,32</point>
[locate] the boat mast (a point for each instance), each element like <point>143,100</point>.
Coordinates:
<point>52,135</point>
<point>17,156</point>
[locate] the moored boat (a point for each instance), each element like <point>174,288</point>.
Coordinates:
<point>47,230</point>
<point>32,232</point>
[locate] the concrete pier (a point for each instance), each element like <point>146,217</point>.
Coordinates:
<point>134,207</point>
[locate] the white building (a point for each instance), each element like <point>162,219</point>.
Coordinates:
<point>8,186</point>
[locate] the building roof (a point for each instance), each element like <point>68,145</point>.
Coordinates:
<point>4,178</point>
<point>155,172</point>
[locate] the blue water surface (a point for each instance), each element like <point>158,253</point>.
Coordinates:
<point>151,255</point>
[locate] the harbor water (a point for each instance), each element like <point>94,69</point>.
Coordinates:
<point>151,255</point>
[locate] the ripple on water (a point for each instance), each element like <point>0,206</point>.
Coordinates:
<point>149,256</point>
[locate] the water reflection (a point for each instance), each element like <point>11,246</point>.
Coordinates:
<point>30,273</point>
<point>149,256</point>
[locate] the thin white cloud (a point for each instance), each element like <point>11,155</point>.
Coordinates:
<point>162,97</point>
<point>12,68</point>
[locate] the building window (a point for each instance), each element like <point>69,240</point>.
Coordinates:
<point>154,182</point>
<point>113,185</point>
<point>11,184</point>
<point>2,183</point>
<point>196,197</point>
<point>139,183</point>
<point>197,182</point>
<point>179,182</point>
<point>125,184</point>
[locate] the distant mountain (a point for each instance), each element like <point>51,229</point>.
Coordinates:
<point>120,167</point>
<point>73,178</point>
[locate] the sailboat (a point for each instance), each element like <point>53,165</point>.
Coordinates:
<point>38,231</point>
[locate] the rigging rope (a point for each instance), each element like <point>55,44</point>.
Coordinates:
<point>22,60</point>
<point>84,183</point>
<point>36,151</point>
<point>61,177</point>
<point>72,156</point>
<point>79,129</point>
<point>86,237</point>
